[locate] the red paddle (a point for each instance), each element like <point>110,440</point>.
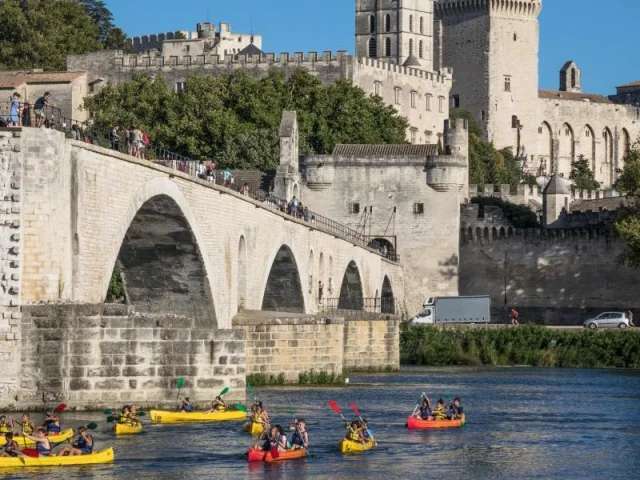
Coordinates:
<point>334,406</point>
<point>355,409</point>
<point>60,408</point>
<point>31,452</point>
<point>275,453</point>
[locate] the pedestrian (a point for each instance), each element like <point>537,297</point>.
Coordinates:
<point>307,215</point>
<point>514,317</point>
<point>26,114</point>
<point>245,189</point>
<point>40,109</point>
<point>114,138</point>
<point>15,110</point>
<point>320,291</point>
<point>211,172</point>
<point>201,171</point>
<point>227,178</point>
<point>293,205</point>
<point>630,317</point>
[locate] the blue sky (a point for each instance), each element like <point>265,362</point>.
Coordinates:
<point>603,41</point>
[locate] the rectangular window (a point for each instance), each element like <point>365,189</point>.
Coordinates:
<point>186,60</point>
<point>398,96</point>
<point>414,99</point>
<point>418,208</point>
<point>484,115</point>
<point>456,101</point>
<point>507,83</point>
<point>429,96</point>
<point>179,87</point>
<point>441,104</point>
<point>377,86</point>
<point>354,208</point>
<point>414,136</point>
<point>133,61</point>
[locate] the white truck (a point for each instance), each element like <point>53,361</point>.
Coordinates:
<point>452,310</point>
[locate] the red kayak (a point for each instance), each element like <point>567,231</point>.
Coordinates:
<point>256,455</point>
<point>417,424</point>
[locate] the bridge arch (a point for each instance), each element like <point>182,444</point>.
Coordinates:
<point>161,254</point>
<point>387,299</point>
<point>351,291</point>
<point>283,288</point>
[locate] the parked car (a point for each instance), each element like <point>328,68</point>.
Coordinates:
<point>608,320</point>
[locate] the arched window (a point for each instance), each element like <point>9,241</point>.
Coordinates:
<point>372,24</point>
<point>573,78</point>
<point>410,47</point>
<point>411,23</point>
<point>373,48</point>
<point>387,47</point>
<point>387,23</point>
<point>420,49</point>
<point>421,25</point>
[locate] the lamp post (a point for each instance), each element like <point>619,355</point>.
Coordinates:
<point>506,271</point>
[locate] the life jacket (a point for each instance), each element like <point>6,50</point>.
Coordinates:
<point>353,436</point>
<point>5,428</point>
<point>42,450</point>
<point>438,413</point>
<point>82,445</point>
<point>220,408</point>
<point>52,428</point>
<point>297,439</point>
<point>425,412</point>
<point>28,427</point>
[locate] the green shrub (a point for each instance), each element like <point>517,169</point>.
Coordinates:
<point>320,377</point>
<point>520,216</point>
<point>263,379</point>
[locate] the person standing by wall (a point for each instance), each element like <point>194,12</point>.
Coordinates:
<point>40,109</point>
<point>630,317</point>
<point>15,110</point>
<point>514,317</point>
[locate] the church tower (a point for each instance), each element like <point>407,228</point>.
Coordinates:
<point>396,31</point>
<point>493,47</point>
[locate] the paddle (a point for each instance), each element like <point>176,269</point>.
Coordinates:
<point>224,390</point>
<point>180,385</point>
<point>422,395</point>
<point>240,407</point>
<point>60,408</point>
<point>295,422</point>
<point>355,409</point>
<point>251,392</point>
<point>31,452</point>
<point>334,406</point>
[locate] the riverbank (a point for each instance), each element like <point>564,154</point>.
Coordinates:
<point>524,345</point>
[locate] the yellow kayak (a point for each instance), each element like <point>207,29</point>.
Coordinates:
<point>23,442</point>
<point>105,456</point>
<point>124,429</point>
<point>349,446</point>
<point>165,416</point>
<point>254,428</point>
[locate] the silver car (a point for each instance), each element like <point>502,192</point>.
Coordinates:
<point>608,320</point>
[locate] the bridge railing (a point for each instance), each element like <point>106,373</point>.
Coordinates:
<point>355,307</point>
<point>104,137</point>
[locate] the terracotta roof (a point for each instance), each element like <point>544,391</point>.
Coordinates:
<point>631,84</point>
<point>575,96</point>
<point>597,204</point>
<point>15,78</point>
<point>385,150</point>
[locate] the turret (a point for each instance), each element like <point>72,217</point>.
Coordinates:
<point>450,172</point>
<point>206,30</point>
<point>288,176</point>
<point>555,198</point>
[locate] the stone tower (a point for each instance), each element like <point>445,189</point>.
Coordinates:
<point>556,197</point>
<point>570,78</point>
<point>450,172</point>
<point>287,179</point>
<point>493,49</point>
<point>397,31</point>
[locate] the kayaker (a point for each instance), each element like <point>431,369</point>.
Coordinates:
<point>218,405</point>
<point>438,412</point>
<point>133,417</point>
<point>366,433</point>
<point>42,442</point>
<point>354,433</point>
<point>27,425</point>
<point>52,424</point>
<point>424,412</point>
<point>281,439</point>
<point>260,414</point>
<point>125,416</point>
<point>455,409</point>
<point>4,426</point>
<point>11,447</point>
<point>186,405</point>
<point>82,446</point>
<point>300,438</point>
<point>268,438</point>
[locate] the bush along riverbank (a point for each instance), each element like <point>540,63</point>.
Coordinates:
<point>524,345</point>
<point>311,377</point>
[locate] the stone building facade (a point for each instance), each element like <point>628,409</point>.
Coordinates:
<point>402,74</point>
<point>493,48</point>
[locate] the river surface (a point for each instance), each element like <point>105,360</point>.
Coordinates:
<point>521,423</point>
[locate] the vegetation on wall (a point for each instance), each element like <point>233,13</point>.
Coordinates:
<point>520,216</point>
<point>487,165</point>
<point>115,292</point>
<point>582,176</point>
<point>627,224</point>
<point>235,118</point>
<point>524,345</point>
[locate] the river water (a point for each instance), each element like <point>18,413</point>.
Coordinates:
<point>521,423</point>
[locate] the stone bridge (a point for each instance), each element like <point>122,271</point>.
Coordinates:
<point>192,255</point>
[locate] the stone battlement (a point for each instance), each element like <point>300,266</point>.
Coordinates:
<point>440,77</point>
<point>525,193</point>
<point>530,8</point>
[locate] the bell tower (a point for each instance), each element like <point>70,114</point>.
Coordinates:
<point>396,31</point>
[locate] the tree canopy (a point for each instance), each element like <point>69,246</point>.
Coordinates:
<point>582,176</point>
<point>627,224</point>
<point>487,165</point>
<point>235,118</point>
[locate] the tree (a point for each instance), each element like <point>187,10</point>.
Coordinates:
<point>582,176</point>
<point>41,33</point>
<point>486,164</point>
<point>627,223</point>
<point>235,118</point>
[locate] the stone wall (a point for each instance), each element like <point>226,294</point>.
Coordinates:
<point>297,344</point>
<point>371,343</point>
<point>101,356</point>
<point>553,276</point>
